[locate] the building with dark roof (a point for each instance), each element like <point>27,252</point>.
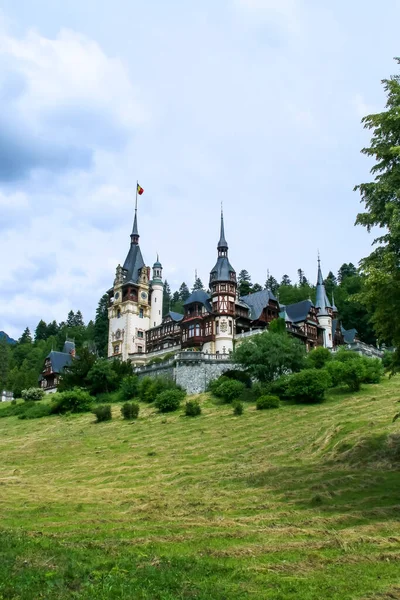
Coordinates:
<point>54,366</point>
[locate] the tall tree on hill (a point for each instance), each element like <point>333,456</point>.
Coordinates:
<point>286,280</point>
<point>271,284</point>
<point>166,298</point>
<point>26,337</point>
<point>346,270</point>
<point>101,326</point>
<point>78,319</point>
<point>330,283</point>
<point>52,329</point>
<point>198,285</point>
<point>303,281</point>
<point>184,292</point>
<point>71,319</point>
<point>4,363</point>
<point>41,331</point>
<point>256,288</point>
<point>381,198</point>
<point>244,283</point>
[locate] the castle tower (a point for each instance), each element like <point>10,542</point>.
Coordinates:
<point>156,295</point>
<point>129,311</point>
<point>324,309</point>
<point>223,288</point>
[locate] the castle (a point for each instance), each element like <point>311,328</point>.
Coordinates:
<point>213,322</point>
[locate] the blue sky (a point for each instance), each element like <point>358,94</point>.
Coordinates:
<point>256,103</point>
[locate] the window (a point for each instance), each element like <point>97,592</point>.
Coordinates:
<point>217,328</point>
<point>159,312</point>
<point>141,313</point>
<point>230,326</point>
<point>140,334</point>
<point>197,330</point>
<point>155,299</point>
<point>154,323</point>
<point>140,349</point>
<point>118,314</point>
<point>223,288</point>
<point>191,331</point>
<point>116,349</point>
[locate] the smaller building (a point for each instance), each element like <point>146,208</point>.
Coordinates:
<point>54,366</point>
<point>6,396</point>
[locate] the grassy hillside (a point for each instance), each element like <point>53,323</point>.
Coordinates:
<point>298,503</point>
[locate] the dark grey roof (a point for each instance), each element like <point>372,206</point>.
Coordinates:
<point>135,230</point>
<point>133,263</point>
<point>257,302</point>
<point>59,360</point>
<point>348,334</point>
<point>298,312</point>
<point>197,296</point>
<point>321,299</point>
<point>69,347</point>
<point>175,316</point>
<point>333,304</point>
<point>222,270</point>
<point>222,241</point>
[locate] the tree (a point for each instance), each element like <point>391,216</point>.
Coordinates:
<point>286,280</point>
<point>71,319</point>
<point>330,283</point>
<point>101,326</point>
<point>244,281</point>
<point>26,337</point>
<point>272,284</point>
<point>75,375</point>
<point>4,362</point>
<point>52,329</point>
<point>166,298</point>
<point>184,292</point>
<point>41,331</point>
<point>198,285</point>
<point>256,288</point>
<point>346,270</point>
<point>381,198</point>
<point>270,355</point>
<point>78,319</point>
<point>102,377</point>
<point>302,278</point>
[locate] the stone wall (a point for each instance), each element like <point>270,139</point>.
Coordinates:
<point>192,370</point>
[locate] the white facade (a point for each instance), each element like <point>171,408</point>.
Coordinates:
<point>157,290</point>
<point>325,321</point>
<point>224,334</point>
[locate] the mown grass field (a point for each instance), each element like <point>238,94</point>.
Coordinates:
<point>298,503</point>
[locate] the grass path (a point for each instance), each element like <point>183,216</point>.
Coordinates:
<point>297,503</point>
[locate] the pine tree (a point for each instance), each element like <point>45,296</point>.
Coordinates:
<point>4,363</point>
<point>198,285</point>
<point>346,270</point>
<point>244,281</point>
<point>71,319</point>
<point>271,284</point>
<point>26,337</point>
<point>303,281</point>
<point>166,298</point>
<point>184,292</point>
<point>78,319</point>
<point>41,331</point>
<point>101,326</point>
<point>286,280</point>
<point>330,283</point>
<point>256,288</point>
<point>52,329</point>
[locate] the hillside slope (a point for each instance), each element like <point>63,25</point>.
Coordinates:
<point>302,502</point>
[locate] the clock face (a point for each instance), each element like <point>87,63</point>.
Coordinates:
<point>143,295</point>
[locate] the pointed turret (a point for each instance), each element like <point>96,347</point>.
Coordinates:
<point>223,270</point>
<point>134,261</point>
<point>222,244</point>
<point>334,308</point>
<point>321,300</point>
<point>135,231</point>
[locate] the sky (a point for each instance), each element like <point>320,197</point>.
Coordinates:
<point>253,103</point>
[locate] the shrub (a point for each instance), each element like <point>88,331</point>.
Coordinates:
<point>32,393</point>
<point>150,387</point>
<point>213,386</point>
<point>374,370</point>
<point>192,408</point>
<point>354,373</point>
<point>280,387</point>
<point>237,407</point>
<point>318,358</point>
<point>13,402</point>
<point>169,400</point>
<point>37,411</point>
<point>108,397</point>
<point>344,355</point>
<point>130,410</point>
<point>102,412</point>
<point>336,370</point>
<point>76,400</point>
<point>239,376</point>
<point>129,387</point>
<point>229,390</point>
<point>102,377</point>
<point>265,402</point>
<point>309,386</point>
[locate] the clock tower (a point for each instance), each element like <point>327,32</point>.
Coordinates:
<point>129,310</point>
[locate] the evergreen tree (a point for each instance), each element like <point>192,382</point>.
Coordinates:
<point>184,292</point>
<point>346,270</point>
<point>41,331</point>
<point>78,319</point>
<point>244,281</point>
<point>166,298</point>
<point>101,326</point>
<point>4,363</point>
<point>52,329</point>
<point>175,297</point>
<point>26,337</point>
<point>70,319</point>
<point>286,280</point>
<point>256,288</point>
<point>272,284</point>
<point>330,283</point>
<point>303,281</point>
<point>198,285</point>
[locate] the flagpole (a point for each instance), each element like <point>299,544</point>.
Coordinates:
<point>137,183</point>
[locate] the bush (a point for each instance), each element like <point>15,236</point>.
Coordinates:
<point>374,370</point>
<point>129,387</point>
<point>354,373</point>
<point>237,407</point>
<point>239,376</point>
<point>13,402</point>
<point>280,387</point>
<point>102,377</point>
<point>309,386</point>
<point>76,400</point>
<point>130,410</point>
<point>150,387</point>
<point>108,397</point>
<point>192,408</point>
<point>318,358</point>
<point>228,389</point>
<point>265,402</point>
<point>37,411</point>
<point>336,370</point>
<point>32,394</point>
<point>102,412</point>
<point>169,400</point>
<point>344,355</point>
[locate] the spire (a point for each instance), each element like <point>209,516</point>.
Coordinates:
<point>135,231</point>
<point>333,304</point>
<point>222,244</point>
<point>321,300</point>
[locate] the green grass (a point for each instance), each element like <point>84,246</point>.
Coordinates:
<point>298,503</point>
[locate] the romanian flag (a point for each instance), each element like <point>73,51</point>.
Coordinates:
<point>140,190</point>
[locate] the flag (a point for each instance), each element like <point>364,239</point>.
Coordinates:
<point>140,190</point>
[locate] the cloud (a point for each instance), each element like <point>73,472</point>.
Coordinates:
<point>62,100</point>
